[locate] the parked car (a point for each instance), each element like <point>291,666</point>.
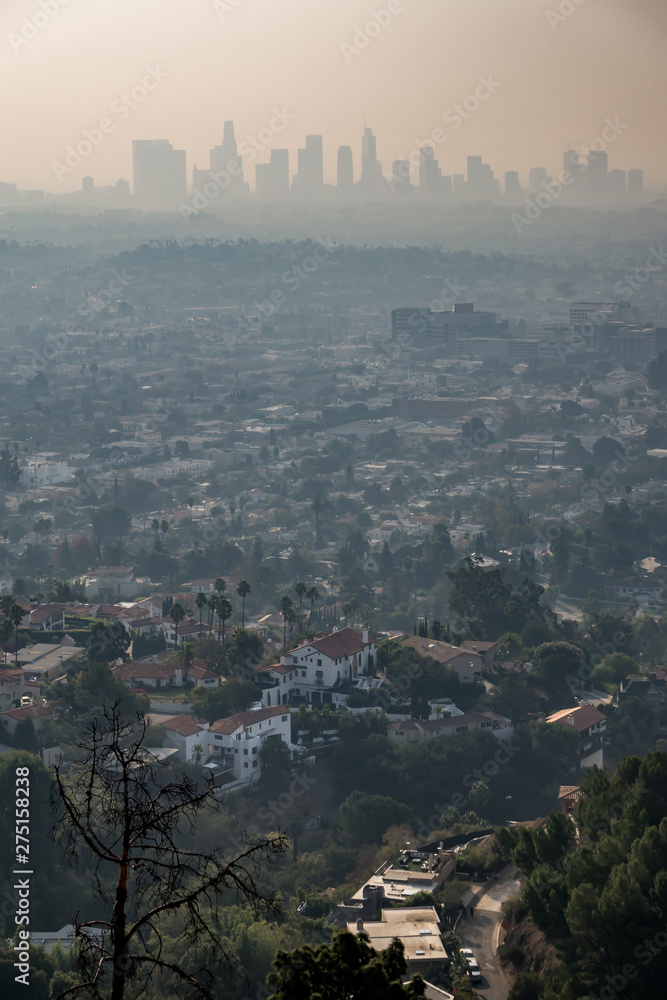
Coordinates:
<point>474,970</point>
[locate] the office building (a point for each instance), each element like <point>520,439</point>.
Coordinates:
<point>513,188</point>
<point>400,177</point>
<point>429,172</point>
<point>536,178</point>
<point>225,168</point>
<point>309,178</point>
<point>159,177</point>
<point>617,184</point>
<point>635,182</point>
<point>272,178</point>
<point>345,169</point>
<point>371,170</point>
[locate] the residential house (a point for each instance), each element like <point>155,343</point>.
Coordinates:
<point>48,618</point>
<point>12,687</point>
<point>590,725</point>
<point>468,659</point>
<point>418,930</point>
<point>239,739</point>
<point>10,719</point>
<point>185,733</point>
<point>49,659</point>
<point>420,730</point>
<point>648,688</point>
<point>119,579</point>
<point>313,671</point>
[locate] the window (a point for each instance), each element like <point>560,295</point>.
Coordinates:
<point>245,752</point>
<point>283,718</point>
<point>246,764</point>
<point>218,736</point>
<point>254,763</point>
<point>319,663</point>
<point>295,659</point>
<point>461,729</point>
<point>254,749</point>
<point>303,673</point>
<point>238,736</point>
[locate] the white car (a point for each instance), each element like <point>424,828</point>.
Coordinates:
<point>474,970</point>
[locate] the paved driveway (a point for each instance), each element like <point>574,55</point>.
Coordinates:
<point>481,932</point>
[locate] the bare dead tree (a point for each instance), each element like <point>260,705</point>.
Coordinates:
<point>112,812</point>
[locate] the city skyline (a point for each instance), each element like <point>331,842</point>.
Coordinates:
<point>241,60</point>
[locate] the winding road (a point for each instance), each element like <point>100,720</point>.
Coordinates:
<point>481,931</point>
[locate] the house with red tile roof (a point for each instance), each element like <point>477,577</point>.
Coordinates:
<point>185,733</point>
<point>237,741</point>
<point>313,671</point>
<point>39,714</point>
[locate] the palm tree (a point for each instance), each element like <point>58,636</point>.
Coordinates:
<point>220,585</point>
<point>224,607</point>
<point>312,594</point>
<point>212,604</point>
<point>15,616</point>
<point>177,614</point>
<point>197,751</point>
<point>200,602</point>
<point>300,590</point>
<point>243,590</point>
<point>286,605</point>
<point>155,525</point>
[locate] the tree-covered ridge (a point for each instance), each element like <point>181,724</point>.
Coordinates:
<point>597,884</point>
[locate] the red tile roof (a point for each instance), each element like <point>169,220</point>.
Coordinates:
<point>246,719</point>
<point>28,712</point>
<point>184,725</point>
<point>346,642</point>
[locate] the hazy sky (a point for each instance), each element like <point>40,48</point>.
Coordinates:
<point>555,78</point>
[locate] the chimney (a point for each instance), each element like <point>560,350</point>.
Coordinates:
<point>365,636</point>
<point>570,720</point>
<point>360,924</point>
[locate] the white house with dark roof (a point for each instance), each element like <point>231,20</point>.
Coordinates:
<point>314,670</point>
<point>237,740</point>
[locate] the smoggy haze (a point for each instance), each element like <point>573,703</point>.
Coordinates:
<point>556,82</point>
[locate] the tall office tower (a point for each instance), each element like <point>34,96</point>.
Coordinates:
<point>225,161</point>
<point>596,175</point>
<point>400,177</point>
<point>371,170</point>
<point>488,181</point>
<point>158,174</point>
<point>537,176</point>
<point>617,184</point>
<point>635,182</point>
<point>571,163</point>
<point>459,186</point>
<point>345,169</point>
<point>513,189</point>
<point>430,175</point>
<point>474,184</point>
<point>272,178</point>
<point>309,179</point>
